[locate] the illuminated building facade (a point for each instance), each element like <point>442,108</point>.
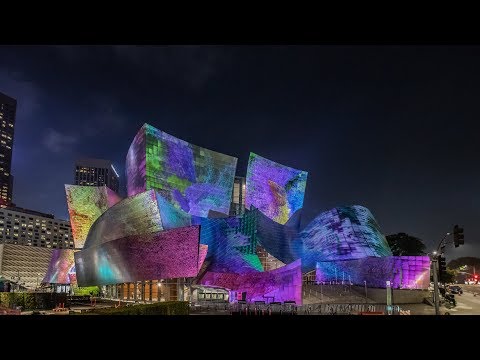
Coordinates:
<point>8,109</point>
<point>275,189</point>
<point>403,272</point>
<point>342,233</point>
<point>61,269</point>
<point>33,228</point>
<point>192,178</point>
<point>279,285</point>
<point>96,172</point>
<point>85,205</point>
<point>190,228</point>
<point>140,257</point>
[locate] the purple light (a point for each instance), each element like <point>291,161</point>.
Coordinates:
<point>61,269</point>
<point>276,190</point>
<point>192,178</point>
<point>282,284</point>
<point>406,272</point>
<point>202,254</point>
<point>161,255</point>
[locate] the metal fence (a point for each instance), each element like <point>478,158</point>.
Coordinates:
<point>349,309</point>
<point>259,308</point>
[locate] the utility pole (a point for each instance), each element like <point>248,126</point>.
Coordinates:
<point>436,295</point>
<point>435,257</point>
<point>458,239</point>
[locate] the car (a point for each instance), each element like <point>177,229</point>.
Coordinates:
<point>455,289</point>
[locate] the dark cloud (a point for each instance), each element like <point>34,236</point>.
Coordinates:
<point>191,66</point>
<point>57,142</point>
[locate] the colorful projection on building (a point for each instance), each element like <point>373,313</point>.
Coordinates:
<point>145,213</point>
<point>404,272</point>
<point>282,284</point>
<point>343,233</point>
<point>202,254</point>
<point>132,216</point>
<point>161,255</point>
<point>85,205</point>
<point>61,269</point>
<point>175,224</point>
<point>276,190</point>
<point>231,243</point>
<point>278,240</point>
<point>192,178</point>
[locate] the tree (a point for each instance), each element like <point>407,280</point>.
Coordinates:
<point>464,268</point>
<point>462,261</point>
<point>403,244</point>
<point>448,276</point>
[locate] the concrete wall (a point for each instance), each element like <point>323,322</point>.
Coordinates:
<point>400,296</point>
<point>30,263</point>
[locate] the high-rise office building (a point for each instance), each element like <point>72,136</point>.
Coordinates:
<point>237,206</point>
<point>96,172</point>
<point>8,109</point>
<point>33,228</point>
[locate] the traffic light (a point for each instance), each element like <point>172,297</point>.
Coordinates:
<point>458,238</point>
<point>442,266</point>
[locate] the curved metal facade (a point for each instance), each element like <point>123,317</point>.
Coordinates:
<point>342,233</point>
<point>405,272</point>
<point>278,240</point>
<point>161,255</point>
<point>275,189</point>
<point>282,284</point>
<point>134,215</point>
<point>175,224</point>
<point>231,244</point>
<point>192,178</point>
<point>85,205</point>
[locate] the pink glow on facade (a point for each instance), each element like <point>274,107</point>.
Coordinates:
<point>282,284</point>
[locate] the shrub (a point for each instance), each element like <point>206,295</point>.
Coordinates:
<point>31,301</point>
<point>81,291</point>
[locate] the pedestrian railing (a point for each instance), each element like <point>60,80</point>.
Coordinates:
<point>290,308</point>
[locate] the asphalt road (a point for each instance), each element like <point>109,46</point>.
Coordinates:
<point>467,303</point>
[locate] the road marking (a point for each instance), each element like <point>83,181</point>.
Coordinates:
<point>463,306</point>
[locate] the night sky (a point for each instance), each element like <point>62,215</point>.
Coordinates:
<point>393,128</point>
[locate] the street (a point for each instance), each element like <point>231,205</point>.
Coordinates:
<point>467,303</point>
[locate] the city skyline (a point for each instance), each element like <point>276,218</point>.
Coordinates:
<point>366,134</point>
